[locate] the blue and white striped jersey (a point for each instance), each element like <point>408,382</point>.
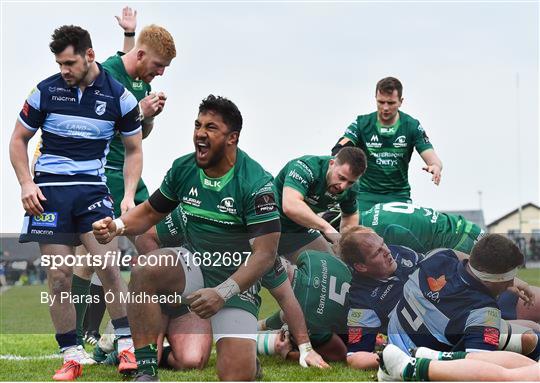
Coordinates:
<point>77,127</point>
<point>372,300</point>
<point>445,308</point>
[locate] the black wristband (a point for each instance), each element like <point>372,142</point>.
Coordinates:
<point>129,34</point>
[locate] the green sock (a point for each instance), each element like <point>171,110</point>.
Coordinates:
<point>147,359</point>
<point>452,355</point>
<point>417,370</point>
<point>80,288</point>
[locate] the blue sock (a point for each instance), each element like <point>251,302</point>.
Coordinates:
<point>67,340</point>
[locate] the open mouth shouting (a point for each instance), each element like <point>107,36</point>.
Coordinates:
<point>202,149</point>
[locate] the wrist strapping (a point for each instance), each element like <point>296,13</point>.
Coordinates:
<point>227,289</point>
<point>304,349</point>
<point>120,226</point>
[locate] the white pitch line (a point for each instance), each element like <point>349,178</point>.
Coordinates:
<point>40,357</point>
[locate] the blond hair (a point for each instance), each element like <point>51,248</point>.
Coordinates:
<point>159,40</point>
<point>349,244</point>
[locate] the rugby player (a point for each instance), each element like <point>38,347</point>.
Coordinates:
<point>321,284</point>
<point>79,111</point>
<point>147,58</point>
<point>180,326</point>
<point>420,228</point>
<point>313,184</point>
<point>380,273</point>
<point>388,137</point>
<point>449,304</point>
<point>500,366</point>
<point>228,207</point>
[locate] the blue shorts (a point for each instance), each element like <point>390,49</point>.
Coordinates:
<point>507,304</point>
<point>70,211</point>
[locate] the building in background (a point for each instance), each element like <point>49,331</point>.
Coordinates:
<point>522,225</point>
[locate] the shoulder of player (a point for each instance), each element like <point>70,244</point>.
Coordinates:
<point>309,164</point>
<point>408,120</point>
<point>365,120</point>
<point>249,173</point>
<point>51,82</point>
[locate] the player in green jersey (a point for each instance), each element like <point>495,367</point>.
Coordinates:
<point>313,184</point>
<point>321,284</point>
<point>149,56</point>
<point>230,223</point>
<point>145,59</point>
<point>420,228</point>
<point>389,137</point>
<point>182,327</point>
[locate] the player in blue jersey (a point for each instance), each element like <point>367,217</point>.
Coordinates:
<point>380,273</point>
<point>450,304</point>
<point>79,111</point>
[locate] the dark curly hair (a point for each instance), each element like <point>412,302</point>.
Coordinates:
<point>225,108</point>
<point>73,35</point>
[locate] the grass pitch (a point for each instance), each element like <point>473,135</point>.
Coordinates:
<point>28,350</point>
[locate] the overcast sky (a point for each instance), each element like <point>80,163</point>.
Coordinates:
<point>301,72</point>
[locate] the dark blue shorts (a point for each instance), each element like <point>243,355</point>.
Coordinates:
<point>507,304</point>
<point>70,211</point>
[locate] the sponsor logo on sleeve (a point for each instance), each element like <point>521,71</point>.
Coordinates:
<point>354,317</point>
<point>48,219</point>
<point>491,336</point>
<point>265,203</point>
<point>355,335</point>
<point>26,109</point>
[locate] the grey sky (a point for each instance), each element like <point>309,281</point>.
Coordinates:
<point>301,72</point>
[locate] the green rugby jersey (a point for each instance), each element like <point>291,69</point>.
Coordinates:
<point>140,89</point>
<point>321,285</point>
<point>419,228</point>
<point>388,151</point>
<point>307,175</point>
<point>214,215</point>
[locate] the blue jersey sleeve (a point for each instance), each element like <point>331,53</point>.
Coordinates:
<point>129,123</point>
<point>482,329</point>
<point>363,326</point>
<point>31,115</point>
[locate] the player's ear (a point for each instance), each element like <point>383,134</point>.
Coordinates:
<point>360,267</point>
<point>140,54</point>
<point>233,138</point>
<point>90,55</point>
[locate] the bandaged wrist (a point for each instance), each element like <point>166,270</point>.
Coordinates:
<point>304,349</point>
<point>120,227</point>
<point>141,114</point>
<point>227,289</point>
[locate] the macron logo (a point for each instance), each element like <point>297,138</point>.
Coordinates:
<point>374,138</point>
<point>193,192</point>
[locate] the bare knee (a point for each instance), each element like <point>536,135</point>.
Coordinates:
<point>59,281</point>
<point>189,360</point>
